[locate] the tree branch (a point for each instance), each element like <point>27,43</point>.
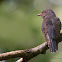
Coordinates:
<point>27,54</point>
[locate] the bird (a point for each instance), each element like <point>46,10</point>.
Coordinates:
<point>51,26</point>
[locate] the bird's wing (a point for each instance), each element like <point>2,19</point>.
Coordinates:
<point>50,29</point>
<point>57,26</point>
<point>53,44</point>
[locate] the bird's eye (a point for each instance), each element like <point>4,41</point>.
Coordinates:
<point>44,16</point>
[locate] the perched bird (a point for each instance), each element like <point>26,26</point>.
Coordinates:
<point>51,27</point>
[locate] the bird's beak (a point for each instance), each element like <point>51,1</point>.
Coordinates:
<point>39,14</point>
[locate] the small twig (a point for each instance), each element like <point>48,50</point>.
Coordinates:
<point>20,60</point>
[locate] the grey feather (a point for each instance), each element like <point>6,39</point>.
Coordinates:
<point>51,33</point>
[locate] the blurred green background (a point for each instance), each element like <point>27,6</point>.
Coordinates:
<point>20,28</point>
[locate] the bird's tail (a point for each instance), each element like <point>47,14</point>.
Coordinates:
<point>53,46</point>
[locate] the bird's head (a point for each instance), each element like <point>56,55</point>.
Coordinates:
<point>47,13</point>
